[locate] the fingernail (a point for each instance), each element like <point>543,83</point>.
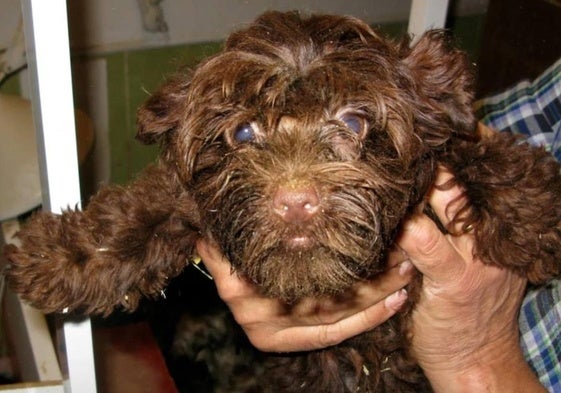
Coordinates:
<point>412,222</point>
<point>396,299</point>
<point>405,268</point>
<point>408,225</point>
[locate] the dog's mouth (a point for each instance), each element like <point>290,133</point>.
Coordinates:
<point>298,240</point>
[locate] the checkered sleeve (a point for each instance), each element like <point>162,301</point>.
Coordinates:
<point>540,333</point>
<point>533,109</point>
<point>530,108</point>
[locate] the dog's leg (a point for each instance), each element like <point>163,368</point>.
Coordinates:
<point>126,244</point>
<point>514,193</point>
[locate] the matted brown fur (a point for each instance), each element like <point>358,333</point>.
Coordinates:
<point>320,108</point>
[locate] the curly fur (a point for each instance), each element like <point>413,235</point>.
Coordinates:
<point>294,81</point>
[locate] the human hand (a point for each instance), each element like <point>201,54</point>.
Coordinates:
<point>465,330</point>
<point>311,324</point>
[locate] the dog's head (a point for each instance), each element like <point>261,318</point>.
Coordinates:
<point>307,140</point>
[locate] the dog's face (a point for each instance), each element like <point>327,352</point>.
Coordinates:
<point>306,142</point>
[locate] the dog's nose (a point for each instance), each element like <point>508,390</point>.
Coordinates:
<point>296,204</point>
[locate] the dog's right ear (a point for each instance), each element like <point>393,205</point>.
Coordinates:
<point>444,80</point>
<point>163,111</point>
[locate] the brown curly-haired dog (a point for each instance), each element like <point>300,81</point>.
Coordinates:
<point>299,149</point>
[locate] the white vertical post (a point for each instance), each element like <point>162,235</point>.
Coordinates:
<point>47,45</point>
<point>427,14</point>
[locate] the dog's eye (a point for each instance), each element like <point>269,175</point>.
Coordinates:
<point>355,122</point>
<point>244,133</point>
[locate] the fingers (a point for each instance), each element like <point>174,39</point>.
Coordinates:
<point>396,256</point>
<point>314,311</point>
<point>371,307</point>
<point>299,338</point>
<point>237,292</point>
<point>389,282</point>
<point>315,323</point>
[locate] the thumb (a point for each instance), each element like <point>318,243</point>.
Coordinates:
<point>430,250</point>
<point>229,285</point>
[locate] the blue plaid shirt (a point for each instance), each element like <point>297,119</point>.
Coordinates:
<point>533,109</point>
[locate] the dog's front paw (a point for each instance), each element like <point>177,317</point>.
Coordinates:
<point>57,268</point>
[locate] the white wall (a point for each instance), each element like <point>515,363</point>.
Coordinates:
<point>112,25</point>
<point>107,25</point>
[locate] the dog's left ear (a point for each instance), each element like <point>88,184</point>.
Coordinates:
<point>443,78</point>
<point>162,112</point>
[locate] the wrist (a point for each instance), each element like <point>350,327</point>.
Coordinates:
<point>505,372</point>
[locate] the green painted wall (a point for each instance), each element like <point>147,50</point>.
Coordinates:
<point>132,76</point>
